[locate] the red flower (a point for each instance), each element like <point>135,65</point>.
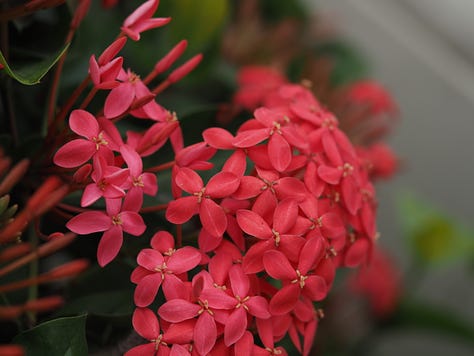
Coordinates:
<point>212,215</point>
<point>79,151</point>
<point>163,268</point>
<point>282,138</point>
<point>117,219</point>
<point>141,20</point>
<point>297,281</point>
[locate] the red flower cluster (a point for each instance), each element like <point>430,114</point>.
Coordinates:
<point>291,204</point>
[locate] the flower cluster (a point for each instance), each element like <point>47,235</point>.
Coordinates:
<point>293,202</point>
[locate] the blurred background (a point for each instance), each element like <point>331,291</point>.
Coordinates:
<point>423,52</point>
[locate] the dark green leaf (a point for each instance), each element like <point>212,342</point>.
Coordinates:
<point>31,74</point>
<point>58,337</point>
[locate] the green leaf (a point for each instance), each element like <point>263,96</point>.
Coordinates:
<point>421,316</point>
<point>197,21</point>
<point>30,74</point>
<point>58,337</point>
<point>434,237</point>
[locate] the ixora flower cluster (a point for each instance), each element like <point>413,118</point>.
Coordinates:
<point>292,203</point>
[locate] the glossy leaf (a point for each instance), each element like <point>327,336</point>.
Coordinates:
<point>31,74</point>
<point>58,337</point>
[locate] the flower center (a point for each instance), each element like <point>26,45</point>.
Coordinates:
<point>300,279</point>
<point>116,220</point>
<point>330,123</point>
<point>276,128</point>
<point>276,237</point>
<point>138,182</point>
<point>99,140</point>
<point>347,169</point>
<point>241,302</point>
<point>200,194</point>
<point>133,77</point>
<point>204,307</point>
<point>158,341</point>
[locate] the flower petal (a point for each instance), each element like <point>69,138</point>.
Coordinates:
<point>74,153</point>
<point>183,260</point>
<point>213,217</point>
<point>205,334</point>
<point>279,152</point>
<point>119,100</point>
<point>235,326</point>
<point>181,210</point>
<point>84,124</point>
<point>285,299</point>
<point>150,259</point>
<point>239,281</point>
<point>277,265</point>
<point>222,185</point>
<point>177,310</point>
<point>147,289</point>
<point>188,180</point>
<point>89,222</point>
<point>132,223</point>
<point>109,245</point>
<point>253,224</point>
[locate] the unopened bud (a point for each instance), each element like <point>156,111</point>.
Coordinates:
<point>66,270</point>
<point>182,71</point>
<point>167,61</point>
<point>11,350</point>
<point>15,251</point>
<point>44,304</point>
<point>111,51</point>
<point>14,176</point>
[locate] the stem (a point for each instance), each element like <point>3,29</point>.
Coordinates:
<point>161,87</point>
<point>161,167</point>
<point>88,98</point>
<point>70,102</point>
<point>57,77</point>
<point>151,209</point>
<point>71,208</point>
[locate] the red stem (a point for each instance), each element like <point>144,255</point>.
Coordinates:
<point>161,167</point>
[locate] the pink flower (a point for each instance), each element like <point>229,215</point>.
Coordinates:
<point>206,306</point>
<point>140,183</point>
<point>108,182</point>
<point>121,97</point>
<point>246,304</point>
<point>275,237</point>
<point>298,281</point>
<point>117,219</point>
<point>282,138</point>
<point>163,268</point>
<point>79,151</point>
<point>141,20</point>
<point>146,324</point>
<point>212,215</point>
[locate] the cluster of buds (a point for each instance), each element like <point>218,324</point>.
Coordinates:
<point>293,202</point>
